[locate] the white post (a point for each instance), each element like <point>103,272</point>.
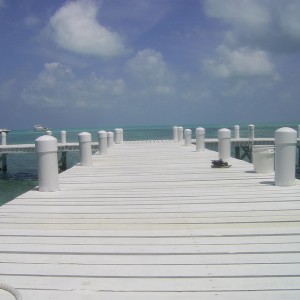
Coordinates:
<point>285,156</point>
<point>200,139</point>
<point>110,139</point>
<point>48,132</point>
<point>236,131</point>
<point>298,131</point>
<point>251,132</point>
<point>3,138</point>
<point>188,137</point>
<point>63,136</point>
<point>122,135</point>
<point>117,136</point>
<point>102,138</point>
<point>175,134</point>
<point>46,149</point>
<point>180,134</point>
<point>224,146</point>
<point>85,148</point>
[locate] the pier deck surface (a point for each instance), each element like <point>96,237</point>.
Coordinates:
<point>154,221</point>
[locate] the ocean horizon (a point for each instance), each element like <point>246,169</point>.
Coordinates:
<point>21,175</point>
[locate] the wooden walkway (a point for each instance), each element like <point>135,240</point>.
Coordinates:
<point>154,221</point>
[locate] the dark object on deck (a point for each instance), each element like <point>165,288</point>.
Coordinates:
<point>219,164</point>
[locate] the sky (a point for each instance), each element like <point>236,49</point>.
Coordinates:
<point>97,63</point>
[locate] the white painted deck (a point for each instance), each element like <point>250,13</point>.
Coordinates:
<point>154,221</point>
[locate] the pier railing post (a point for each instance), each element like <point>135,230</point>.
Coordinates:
<point>200,139</point>
<point>3,138</point>
<point>118,136</point>
<point>175,134</point>
<point>188,137</point>
<point>224,144</point>
<point>102,138</point>
<point>63,137</point>
<point>298,132</point>
<point>180,134</point>
<point>46,149</point>
<point>110,139</point>
<point>4,155</point>
<point>251,132</point>
<point>122,135</point>
<point>48,132</point>
<point>285,156</point>
<point>85,148</point>
<point>236,131</point>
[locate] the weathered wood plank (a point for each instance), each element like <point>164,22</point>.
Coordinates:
<point>154,220</point>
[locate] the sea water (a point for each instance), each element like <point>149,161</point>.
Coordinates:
<point>21,175</point>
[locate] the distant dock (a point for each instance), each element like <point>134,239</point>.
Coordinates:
<point>153,220</point>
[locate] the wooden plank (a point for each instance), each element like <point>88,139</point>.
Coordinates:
<point>154,220</point>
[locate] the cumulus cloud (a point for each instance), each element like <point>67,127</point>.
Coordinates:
<point>31,21</point>
<point>245,14</point>
<point>241,63</point>
<point>151,73</point>
<point>290,19</point>
<point>74,27</point>
<point>270,25</point>
<point>6,89</point>
<point>57,86</point>
<point>2,4</point>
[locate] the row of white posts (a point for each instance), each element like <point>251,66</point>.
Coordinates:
<point>46,149</point>
<point>285,148</point>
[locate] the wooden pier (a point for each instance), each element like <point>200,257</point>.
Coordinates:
<point>153,220</point>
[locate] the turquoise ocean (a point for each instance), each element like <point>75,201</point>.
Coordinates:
<point>21,175</point>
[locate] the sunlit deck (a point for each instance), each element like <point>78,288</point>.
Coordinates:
<point>154,221</point>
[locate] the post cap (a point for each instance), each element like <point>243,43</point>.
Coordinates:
<point>102,134</point>
<point>224,133</point>
<point>110,134</point>
<point>200,131</point>
<point>237,126</point>
<point>84,137</point>
<point>46,143</point>
<point>285,135</point>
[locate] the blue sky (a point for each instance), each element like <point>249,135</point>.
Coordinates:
<point>96,63</point>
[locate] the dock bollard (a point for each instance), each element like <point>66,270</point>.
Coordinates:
<point>187,137</point>
<point>251,132</point>
<point>236,131</point>
<point>63,137</point>
<point>85,148</point>
<point>46,149</point>
<point>298,131</point>
<point>118,135</point>
<point>110,139</point>
<point>48,132</point>
<point>180,134</point>
<point>285,156</point>
<point>3,138</point>
<point>224,145</point>
<point>200,139</point>
<point>175,134</point>
<point>122,135</point>
<point>102,138</point>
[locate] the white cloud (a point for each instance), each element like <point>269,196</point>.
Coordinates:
<point>290,19</point>
<point>244,14</point>
<point>2,4</point>
<point>242,63</point>
<point>57,86</point>
<point>31,21</point>
<point>75,28</point>
<point>6,89</point>
<point>151,73</point>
